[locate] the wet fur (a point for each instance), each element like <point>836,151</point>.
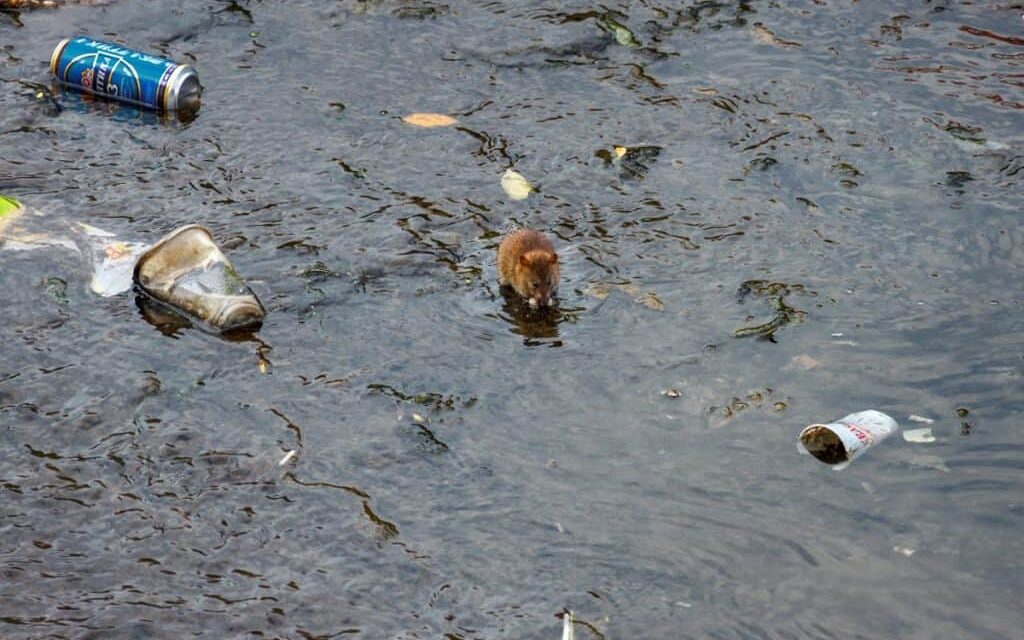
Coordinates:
<point>528,263</point>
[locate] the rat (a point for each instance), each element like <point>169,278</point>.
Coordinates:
<point>528,263</point>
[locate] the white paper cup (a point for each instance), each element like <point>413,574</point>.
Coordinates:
<point>839,443</point>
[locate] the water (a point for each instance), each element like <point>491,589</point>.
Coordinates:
<point>465,469</point>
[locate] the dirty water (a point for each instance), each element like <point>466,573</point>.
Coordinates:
<point>767,214</point>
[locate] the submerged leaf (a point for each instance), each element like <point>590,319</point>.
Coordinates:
<point>651,301</point>
<point>515,185</point>
<point>429,120</point>
<point>621,32</point>
<point>767,36</point>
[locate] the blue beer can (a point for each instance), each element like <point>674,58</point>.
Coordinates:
<point>119,73</point>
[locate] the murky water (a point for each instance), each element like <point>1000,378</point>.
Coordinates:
<point>817,211</point>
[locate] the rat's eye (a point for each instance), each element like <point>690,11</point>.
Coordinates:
<point>535,284</point>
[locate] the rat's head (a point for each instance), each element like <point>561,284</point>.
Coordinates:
<point>537,276</point>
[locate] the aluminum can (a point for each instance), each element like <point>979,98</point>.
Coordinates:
<point>839,443</point>
<point>120,73</point>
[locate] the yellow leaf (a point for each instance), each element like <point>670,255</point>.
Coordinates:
<point>429,120</point>
<point>620,151</point>
<point>516,186</point>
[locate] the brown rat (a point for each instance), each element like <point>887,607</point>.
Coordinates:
<point>528,263</point>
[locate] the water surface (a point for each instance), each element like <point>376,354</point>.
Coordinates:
<point>467,469</point>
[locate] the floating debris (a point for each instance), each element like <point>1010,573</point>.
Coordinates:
<point>921,419</point>
<point>21,229</point>
<point>515,185</point>
<point>633,162</point>
<point>847,169</point>
<point>784,313</point>
<point>56,289</point>
<point>839,443</point>
<point>113,261</point>
<point>671,393</point>
<point>288,456</point>
<point>418,418</point>
<point>567,629</point>
<point>187,270</point>
<point>429,120</point>
<point>919,436</point>
<point>8,206</point>
<point>651,301</point>
<point>9,210</point>
<point>719,416</point>
<point>620,31</point>
<point>767,36</point>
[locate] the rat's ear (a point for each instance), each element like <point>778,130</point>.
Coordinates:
<point>554,258</point>
<point>522,259</point>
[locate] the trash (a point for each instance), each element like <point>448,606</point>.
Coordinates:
<point>429,120</point>
<point>112,261</point>
<point>921,419</point>
<point>126,75</point>
<point>632,162</point>
<point>839,443</point>
<point>288,456</point>
<point>567,631</point>
<point>21,229</point>
<point>671,393</point>
<point>919,436</point>
<point>515,185</point>
<point>187,271</point>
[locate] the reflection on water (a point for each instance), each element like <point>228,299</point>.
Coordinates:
<point>534,323</point>
<point>840,181</point>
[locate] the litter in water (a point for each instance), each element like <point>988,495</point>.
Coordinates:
<point>288,456</point>
<point>839,443</point>
<point>187,271</point>
<point>919,436</point>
